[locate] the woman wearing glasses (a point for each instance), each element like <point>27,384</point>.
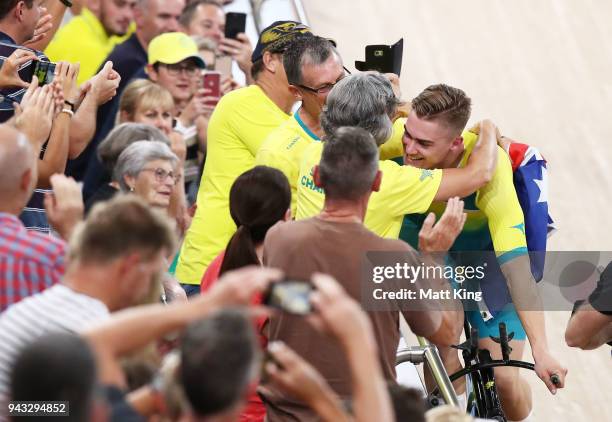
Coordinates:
<point>149,170</point>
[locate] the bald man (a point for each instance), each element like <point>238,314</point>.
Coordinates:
<point>29,261</point>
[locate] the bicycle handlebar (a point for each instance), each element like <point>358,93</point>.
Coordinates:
<point>492,364</point>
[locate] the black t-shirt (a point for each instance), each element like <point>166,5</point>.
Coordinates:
<point>601,298</point>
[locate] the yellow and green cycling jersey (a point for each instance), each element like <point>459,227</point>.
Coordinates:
<point>494,215</point>
<point>284,149</point>
<point>403,189</point>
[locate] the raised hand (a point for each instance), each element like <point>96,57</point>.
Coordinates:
<point>66,77</point>
<point>9,72</point>
<point>64,207</point>
<point>240,286</point>
<point>34,116</point>
<point>43,26</point>
<point>239,49</point>
<point>292,374</point>
<point>104,85</point>
<point>440,238</point>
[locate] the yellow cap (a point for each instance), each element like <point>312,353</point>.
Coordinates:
<point>172,48</point>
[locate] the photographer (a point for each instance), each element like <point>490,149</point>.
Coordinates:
<point>590,326</point>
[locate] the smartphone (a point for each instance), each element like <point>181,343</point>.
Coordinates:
<point>45,72</point>
<point>383,58</point>
<point>212,83</point>
<point>235,23</point>
<point>223,65</point>
<point>291,296</point>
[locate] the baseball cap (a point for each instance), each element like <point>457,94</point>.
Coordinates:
<point>172,48</point>
<point>278,35</point>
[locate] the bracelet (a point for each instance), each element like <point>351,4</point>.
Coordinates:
<point>66,3</point>
<point>68,112</point>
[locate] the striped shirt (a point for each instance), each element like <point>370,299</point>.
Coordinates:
<point>29,262</point>
<point>57,309</point>
<point>26,72</point>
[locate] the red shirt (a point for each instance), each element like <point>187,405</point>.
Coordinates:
<point>255,411</point>
<point>29,261</point>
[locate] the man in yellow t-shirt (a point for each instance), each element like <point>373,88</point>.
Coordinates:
<point>368,101</point>
<point>494,223</point>
<point>238,126</point>
<point>313,67</point>
<point>89,37</point>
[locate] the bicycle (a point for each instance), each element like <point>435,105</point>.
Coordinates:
<point>478,363</point>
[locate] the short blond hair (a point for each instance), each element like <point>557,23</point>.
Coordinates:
<point>144,94</point>
<point>443,103</point>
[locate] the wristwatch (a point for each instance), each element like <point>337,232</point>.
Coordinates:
<point>66,3</point>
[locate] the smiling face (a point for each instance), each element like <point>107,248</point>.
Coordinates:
<point>154,183</point>
<point>180,79</point>
<point>429,144</point>
<point>321,77</point>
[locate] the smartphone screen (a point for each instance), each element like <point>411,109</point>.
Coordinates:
<point>235,23</point>
<point>45,72</point>
<point>212,84</point>
<point>291,296</point>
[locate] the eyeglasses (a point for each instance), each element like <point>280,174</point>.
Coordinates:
<point>161,175</point>
<point>325,88</point>
<point>177,69</point>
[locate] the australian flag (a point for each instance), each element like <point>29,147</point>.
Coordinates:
<point>531,184</point>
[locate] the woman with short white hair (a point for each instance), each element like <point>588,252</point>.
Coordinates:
<point>149,170</point>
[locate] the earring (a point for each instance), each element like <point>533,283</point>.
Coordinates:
<point>131,189</point>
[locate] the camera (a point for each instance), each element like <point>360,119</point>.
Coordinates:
<point>291,296</point>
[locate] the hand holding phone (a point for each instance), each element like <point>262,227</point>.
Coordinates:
<point>235,23</point>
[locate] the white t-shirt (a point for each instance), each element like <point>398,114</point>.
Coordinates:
<point>57,309</point>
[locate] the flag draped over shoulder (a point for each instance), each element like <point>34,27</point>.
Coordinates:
<point>531,184</point>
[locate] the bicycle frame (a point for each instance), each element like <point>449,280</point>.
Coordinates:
<point>428,353</point>
<point>478,363</point>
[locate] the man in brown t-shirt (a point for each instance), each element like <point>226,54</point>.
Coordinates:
<point>336,242</point>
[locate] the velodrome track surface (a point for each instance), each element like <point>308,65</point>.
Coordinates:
<point>541,70</point>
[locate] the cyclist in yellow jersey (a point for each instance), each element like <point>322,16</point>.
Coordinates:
<point>240,122</point>
<point>313,67</point>
<point>367,100</point>
<point>433,139</point>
